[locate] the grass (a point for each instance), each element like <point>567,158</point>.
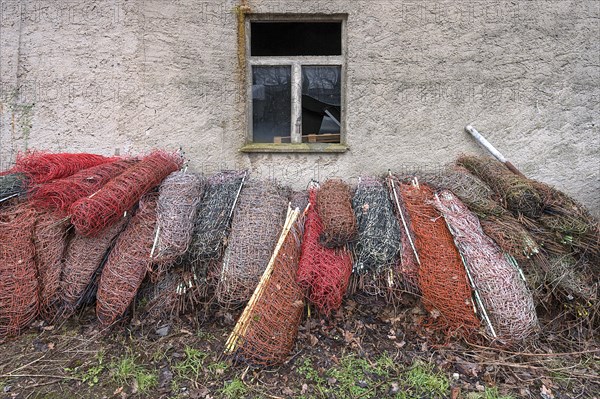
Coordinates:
<point>91,375</point>
<point>191,366</point>
<point>234,389</point>
<point>126,370</point>
<point>424,381</point>
<point>489,393</point>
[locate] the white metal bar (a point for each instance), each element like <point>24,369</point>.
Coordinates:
<point>289,60</point>
<point>481,140</point>
<point>296,128</point>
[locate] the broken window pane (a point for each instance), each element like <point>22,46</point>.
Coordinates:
<point>295,38</point>
<point>271,102</point>
<point>321,100</point>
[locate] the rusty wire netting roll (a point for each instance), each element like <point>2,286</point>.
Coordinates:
<point>442,277</point>
<point>179,196</point>
<point>504,297</point>
<point>12,185</point>
<point>407,265</point>
<point>266,331</point>
<point>256,224</point>
<point>334,202</point>
<point>213,217</point>
<point>41,167</point>
<point>516,192</point>
<point>511,236</point>
<point>92,214</point>
<point>50,240</point>
<point>18,275</point>
<point>323,273</point>
<point>378,241</point>
<point>60,194</point>
<point>83,256</point>
<point>127,263</point>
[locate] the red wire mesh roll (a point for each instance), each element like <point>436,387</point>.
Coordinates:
<point>323,273</point>
<point>442,277</point>
<point>83,257</point>
<point>275,316</point>
<point>92,214</point>
<point>41,167</point>
<point>18,275</point>
<point>335,210</point>
<point>60,194</point>
<point>257,221</point>
<point>504,296</point>
<point>50,239</point>
<point>127,263</point>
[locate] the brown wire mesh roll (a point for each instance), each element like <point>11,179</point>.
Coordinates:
<point>83,257</point>
<point>179,196</point>
<point>50,240</point>
<point>442,277</point>
<point>505,298</point>
<point>127,263</point>
<point>275,316</point>
<point>511,236</point>
<point>335,210</point>
<point>516,192</point>
<point>323,273</point>
<point>257,221</point>
<point>18,274</point>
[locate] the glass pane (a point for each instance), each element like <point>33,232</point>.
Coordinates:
<point>295,38</point>
<point>271,102</point>
<point>321,102</point>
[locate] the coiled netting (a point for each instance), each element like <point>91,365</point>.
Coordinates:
<point>446,292</point>
<point>83,257</point>
<point>168,297</point>
<point>266,331</point>
<point>92,214</point>
<point>323,273</point>
<point>511,236</point>
<point>50,239</point>
<point>257,220</point>
<point>505,302</point>
<point>179,196</point>
<point>127,263</point>
<point>335,210</point>
<point>41,167</point>
<point>12,185</point>
<point>378,240</point>
<point>18,274</point>
<point>60,194</point>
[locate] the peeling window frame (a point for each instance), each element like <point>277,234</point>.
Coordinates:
<point>296,63</point>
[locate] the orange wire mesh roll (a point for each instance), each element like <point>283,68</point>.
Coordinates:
<point>335,210</point>
<point>324,273</point>
<point>442,277</point>
<point>18,275</point>
<point>83,256</point>
<point>506,301</point>
<point>50,239</point>
<point>127,263</point>
<point>269,324</point>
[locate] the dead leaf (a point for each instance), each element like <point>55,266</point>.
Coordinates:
<point>304,389</point>
<point>455,392</point>
<point>313,340</point>
<point>546,392</point>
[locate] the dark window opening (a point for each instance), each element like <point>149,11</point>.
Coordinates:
<point>271,99</point>
<point>321,101</point>
<point>296,38</point>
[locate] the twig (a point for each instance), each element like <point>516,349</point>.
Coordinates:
<point>38,376</point>
<point>28,364</point>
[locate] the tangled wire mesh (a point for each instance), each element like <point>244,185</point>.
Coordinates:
<point>60,194</point>
<point>257,221</point>
<point>50,240</point>
<point>18,275</point>
<point>323,273</point>
<point>179,196</point>
<point>92,214</point>
<point>442,278</point>
<point>266,331</point>
<point>500,291</point>
<point>516,192</point>
<point>378,241</point>
<point>12,185</point>
<point>41,167</point>
<point>335,210</point>
<point>511,236</point>
<point>127,263</point>
<point>407,265</point>
<point>83,257</point>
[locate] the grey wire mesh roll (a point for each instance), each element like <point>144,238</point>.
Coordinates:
<point>12,185</point>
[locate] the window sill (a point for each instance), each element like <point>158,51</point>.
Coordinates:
<point>295,148</point>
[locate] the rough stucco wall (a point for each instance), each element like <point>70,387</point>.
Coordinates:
<point>133,75</point>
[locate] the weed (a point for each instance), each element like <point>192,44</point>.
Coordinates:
<point>234,389</point>
<point>145,381</point>
<point>91,376</point>
<point>127,370</point>
<point>425,382</point>
<point>490,393</point>
<point>191,366</point>
<point>217,368</point>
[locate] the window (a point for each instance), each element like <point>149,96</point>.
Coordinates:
<point>296,74</point>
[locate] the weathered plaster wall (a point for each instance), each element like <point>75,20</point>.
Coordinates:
<point>133,75</point>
